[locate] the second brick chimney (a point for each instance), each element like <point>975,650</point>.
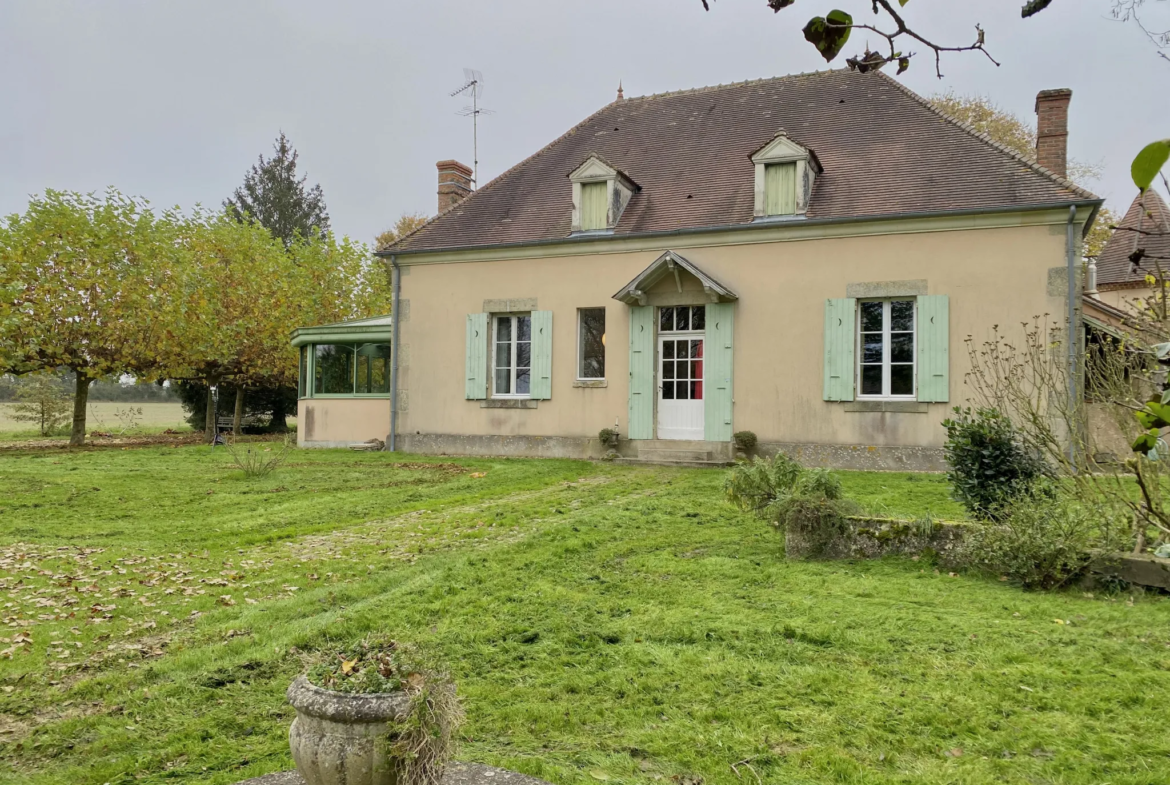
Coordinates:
<point>1052,130</point>
<point>454,184</point>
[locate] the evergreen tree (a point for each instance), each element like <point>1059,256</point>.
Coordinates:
<point>283,204</point>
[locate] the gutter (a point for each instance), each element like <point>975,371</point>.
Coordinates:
<point>396,281</point>
<point>1093,205</point>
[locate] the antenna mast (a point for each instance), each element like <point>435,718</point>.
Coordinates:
<point>473,86</point>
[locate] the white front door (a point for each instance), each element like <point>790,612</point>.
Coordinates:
<point>680,386</point>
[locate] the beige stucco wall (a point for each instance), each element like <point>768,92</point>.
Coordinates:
<point>336,422</point>
<point>1124,298</point>
<point>993,276</point>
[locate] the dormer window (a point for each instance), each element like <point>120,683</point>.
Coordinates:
<point>593,207</point>
<point>600,194</point>
<point>784,178</point>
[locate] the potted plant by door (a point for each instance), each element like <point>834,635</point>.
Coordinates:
<point>374,714</point>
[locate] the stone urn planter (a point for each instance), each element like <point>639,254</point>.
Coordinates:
<point>344,739</point>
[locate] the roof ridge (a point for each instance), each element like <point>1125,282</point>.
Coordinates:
<point>1064,181</point>
<point>712,88</point>
<point>498,178</point>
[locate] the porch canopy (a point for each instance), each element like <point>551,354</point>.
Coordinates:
<point>374,329</point>
<point>635,292</point>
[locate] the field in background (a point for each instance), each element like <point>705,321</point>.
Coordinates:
<point>605,624</point>
<point>103,417</point>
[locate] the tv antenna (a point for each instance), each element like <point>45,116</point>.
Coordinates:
<point>473,86</point>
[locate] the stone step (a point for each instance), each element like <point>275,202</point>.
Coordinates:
<point>674,454</point>
<point>677,464</point>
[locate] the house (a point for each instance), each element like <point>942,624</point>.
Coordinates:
<point>800,257</point>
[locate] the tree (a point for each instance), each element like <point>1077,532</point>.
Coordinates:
<point>82,275</point>
<point>406,224</point>
<point>42,400</point>
<point>272,195</point>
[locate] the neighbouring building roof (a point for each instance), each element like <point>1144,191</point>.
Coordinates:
<point>1148,213</point>
<point>883,148</point>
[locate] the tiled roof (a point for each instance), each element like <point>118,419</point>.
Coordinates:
<point>883,148</point>
<point>1148,213</point>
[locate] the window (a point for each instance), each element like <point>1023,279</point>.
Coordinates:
<point>333,366</point>
<point>349,369</point>
<point>512,356</point>
<point>303,376</point>
<point>593,207</point>
<point>591,343</point>
<point>682,318</point>
<point>373,369</point>
<point>886,349</point>
<point>780,189</point>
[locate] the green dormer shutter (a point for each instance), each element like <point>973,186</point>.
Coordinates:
<point>593,207</point>
<point>780,189</point>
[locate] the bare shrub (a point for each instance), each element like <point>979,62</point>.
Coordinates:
<point>259,459</point>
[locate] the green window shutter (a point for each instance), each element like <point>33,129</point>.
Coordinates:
<point>717,372</point>
<point>934,337</point>
<point>840,338</point>
<point>477,342</point>
<point>780,189</point>
<point>641,425</point>
<point>541,387</point>
<point>593,206</point>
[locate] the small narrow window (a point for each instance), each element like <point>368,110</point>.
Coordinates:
<point>886,349</point>
<point>780,189</point>
<point>593,206</point>
<point>303,376</point>
<point>512,356</point>
<point>591,343</point>
<point>334,366</point>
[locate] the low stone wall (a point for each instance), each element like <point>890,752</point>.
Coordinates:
<point>510,446</point>
<point>873,538</point>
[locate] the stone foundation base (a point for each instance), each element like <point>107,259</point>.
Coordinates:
<point>456,774</point>
<point>860,457</point>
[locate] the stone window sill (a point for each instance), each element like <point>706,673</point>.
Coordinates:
<point>591,383</point>
<point>901,407</point>
<point>508,403</point>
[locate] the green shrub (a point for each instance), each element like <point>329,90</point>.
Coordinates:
<point>1044,540</point>
<point>745,440</point>
<point>808,504</point>
<point>607,436</point>
<point>989,467</point>
<point>760,485</point>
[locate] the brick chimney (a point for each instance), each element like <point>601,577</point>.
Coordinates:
<point>1052,130</point>
<point>454,184</point>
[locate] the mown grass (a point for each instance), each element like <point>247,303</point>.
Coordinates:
<point>604,623</point>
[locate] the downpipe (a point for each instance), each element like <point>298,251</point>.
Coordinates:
<point>396,284</point>
<point>1073,337</point>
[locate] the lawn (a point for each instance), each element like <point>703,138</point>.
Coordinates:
<point>605,624</point>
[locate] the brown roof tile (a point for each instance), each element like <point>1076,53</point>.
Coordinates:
<point>884,150</point>
<point>1148,213</point>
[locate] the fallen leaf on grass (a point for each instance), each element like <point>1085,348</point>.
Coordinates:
<point>226,599</point>
<point>1026,689</point>
<point>595,774</point>
<point>477,475</point>
<point>957,752</point>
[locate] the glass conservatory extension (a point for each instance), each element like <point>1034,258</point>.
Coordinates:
<point>345,360</point>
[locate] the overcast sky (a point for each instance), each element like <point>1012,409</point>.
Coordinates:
<point>174,101</point>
